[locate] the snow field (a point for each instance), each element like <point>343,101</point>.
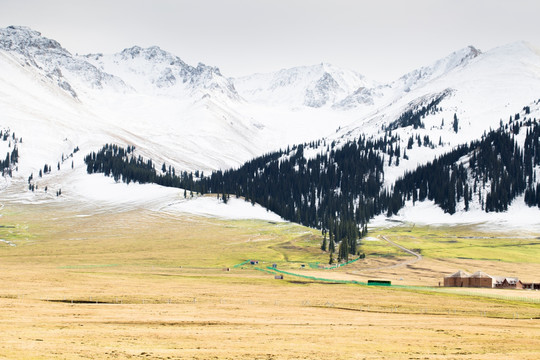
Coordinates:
<point>193,118</point>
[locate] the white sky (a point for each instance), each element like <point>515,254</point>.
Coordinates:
<point>382,39</point>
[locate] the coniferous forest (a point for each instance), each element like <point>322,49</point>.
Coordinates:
<point>12,158</point>
<point>494,166</point>
<point>339,188</point>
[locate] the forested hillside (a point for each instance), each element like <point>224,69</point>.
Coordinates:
<point>340,188</point>
<point>492,172</point>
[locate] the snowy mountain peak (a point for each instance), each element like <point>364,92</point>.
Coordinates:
<point>27,41</point>
<point>50,59</point>
<point>455,59</point>
<point>441,67</point>
<point>211,70</point>
<point>314,86</point>
<point>188,116</point>
<point>320,93</point>
<point>28,45</point>
<point>153,54</point>
<point>158,72</point>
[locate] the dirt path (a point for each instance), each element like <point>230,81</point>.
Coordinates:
<point>406,262</point>
<point>417,257</point>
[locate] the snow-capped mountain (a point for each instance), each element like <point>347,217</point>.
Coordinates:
<point>188,117</point>
<point>57,101</point>
<point>155,71</point>
<point>479,89</point>
<point>195,118</point>
<point>386,93</point>
<point>326,85</point>
<point>315,86</point>
<point>444,66</point>
<point>55,62</point>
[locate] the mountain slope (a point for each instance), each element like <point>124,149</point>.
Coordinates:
<point>387,93</point>
<point>480,92</point>
<point>341,188</point>
<point>56,102</point>
<point>194,118</point>
<point>423,75</point>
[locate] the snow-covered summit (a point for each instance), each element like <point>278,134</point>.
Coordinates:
<point>314,86</point>
<point>70,73</point>
<point>193,118</point>
<point>157,72</point>
<point>29,42</point>
<point>384,94</point>
<point>479,89</point>
<point>439,68</point>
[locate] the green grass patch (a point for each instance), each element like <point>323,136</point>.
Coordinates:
<point>459,242</point>
<point>46,234</point>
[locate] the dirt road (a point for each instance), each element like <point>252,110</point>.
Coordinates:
<point>417,257</point>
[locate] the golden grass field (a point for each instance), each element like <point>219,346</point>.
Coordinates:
<point>141,284</point>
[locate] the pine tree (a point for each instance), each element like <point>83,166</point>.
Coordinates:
<point>456,123</point>
<point>466,196</point>
<point>332,245</point>
<point>352,246</point>
<point>343,251</point>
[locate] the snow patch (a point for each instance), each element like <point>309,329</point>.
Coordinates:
<point>234,209</point>
<point>518,216</point>
<point>370,238</point>
<point>100,191</point>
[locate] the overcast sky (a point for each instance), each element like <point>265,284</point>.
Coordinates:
<point>381,39</point>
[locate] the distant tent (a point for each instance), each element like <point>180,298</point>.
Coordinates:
<point>481,274</point>
<point>457,279</point>
<point>459,274</point>
<point>481,279</point>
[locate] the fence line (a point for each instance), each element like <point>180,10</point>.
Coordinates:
<point>272,270</point>
<point>242,263</point>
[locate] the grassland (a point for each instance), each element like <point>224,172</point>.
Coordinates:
<point>140,284</point>
<point>467,242</point>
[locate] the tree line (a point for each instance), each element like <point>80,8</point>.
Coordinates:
<point>339,189</point>
<point>12,158</point>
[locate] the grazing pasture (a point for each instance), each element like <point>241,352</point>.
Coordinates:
<point>141,284</point>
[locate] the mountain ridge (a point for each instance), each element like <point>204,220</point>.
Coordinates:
<point>165,72</point>
<point>194,118</point>
<point>312,86</point>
